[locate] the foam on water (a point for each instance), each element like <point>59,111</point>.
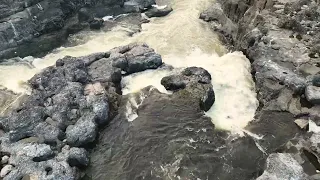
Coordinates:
<point>183,40</point>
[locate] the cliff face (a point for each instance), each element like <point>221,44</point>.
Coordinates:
<point>31,27</point>
<point>282,40</point>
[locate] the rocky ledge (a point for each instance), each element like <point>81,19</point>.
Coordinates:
<point>34,27</point>
<point>281,39</point>
<point>76,107</point>
<point>48,135</point>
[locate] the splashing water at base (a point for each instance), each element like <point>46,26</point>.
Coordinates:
<point>183,40</point>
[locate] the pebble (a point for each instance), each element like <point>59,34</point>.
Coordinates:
<point>6,170</point>
<point>4,159</point>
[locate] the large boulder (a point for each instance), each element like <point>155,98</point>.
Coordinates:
<point>193,80</point>
<point>83,132</point>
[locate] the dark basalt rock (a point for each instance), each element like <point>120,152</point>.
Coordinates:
<point>34,27</point>
<point>68,105</point>
<point>96,23</point>
<point>193,80</point>
<point>156,12</point>
<point>281,40</point>
<point>78,157</point>
<point>83,132</point>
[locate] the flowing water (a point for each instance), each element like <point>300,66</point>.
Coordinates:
<point>183,40</point>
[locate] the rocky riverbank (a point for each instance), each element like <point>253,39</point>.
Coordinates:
<point>281,38</point>
<point>48,135</point>
<point>34,27</point>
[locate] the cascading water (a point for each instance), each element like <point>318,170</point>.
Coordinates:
<point>183,40</point>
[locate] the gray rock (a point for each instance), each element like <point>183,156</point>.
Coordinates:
<point>174,83</point>
<point>137,5</point>
<point>38,152</point>
<point>6,170</point>
<point>78,157</point>
<point>313,94</point>
<point>101,109</point>
<point>84,15</point>
<point>96,23</point>
<point>4,159</point>
<point>135,58</point>
<point>34,27</point>
<point>316,80</point>
<point>282,166</point>
<point>156,12</point>
<point>83,132</point>
<point>194,80</point>
<point>23,123</point>
<point>102,70</point>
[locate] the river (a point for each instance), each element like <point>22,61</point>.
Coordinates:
<point>183,40</point>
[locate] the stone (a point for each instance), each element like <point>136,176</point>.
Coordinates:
<point>174,83</point>
<point>78,157</point>
<point>158,12</point>
<point>83,132</point>
<point>313,94</point>
<point>193,80</point>
<point>84,15</point>
<point>96,23</point>
<point>6,170</point>
<point>38,152</point>
<point>302,123</point>
<point>282,166</point>
<point>137,5</point>
<point>4,159</point>
<point>316,80</point>
<point>94,89</point>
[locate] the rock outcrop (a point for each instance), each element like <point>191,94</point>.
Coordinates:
<point>70,102</point>
<point>281,39</point>
<point>34,27</point>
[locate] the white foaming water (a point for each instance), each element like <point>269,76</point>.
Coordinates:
<point>183,40</point>
<point>137,81</point>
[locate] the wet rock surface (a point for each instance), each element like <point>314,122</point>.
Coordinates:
<point>34,27</point>
<point>48,135</point>
<point>171,139</point>
<point>280,38</point>
<point>193,80</point>
<point>158,12</point>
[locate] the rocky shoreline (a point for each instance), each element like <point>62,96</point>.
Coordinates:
<point>35,27</point>
<point>281,39</point>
